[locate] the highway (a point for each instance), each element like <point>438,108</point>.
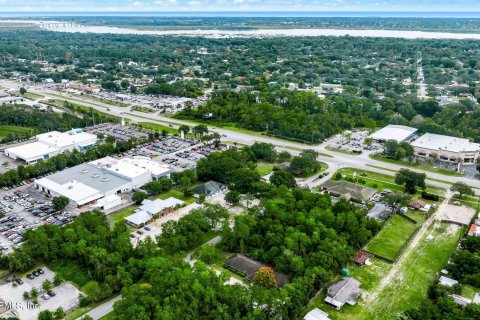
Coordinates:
<point>334,160</point>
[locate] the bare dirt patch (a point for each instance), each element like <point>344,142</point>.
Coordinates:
<point>456,214</point>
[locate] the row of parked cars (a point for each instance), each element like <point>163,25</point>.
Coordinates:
<point>139,232</point>
<point>37,273</point>
<point>13,225</point>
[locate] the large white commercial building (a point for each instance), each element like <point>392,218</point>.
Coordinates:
<point>394,132</point>
<point>139,170</point>
<point>89,182</point>
<point>445,148</point>
<point>51,144</point>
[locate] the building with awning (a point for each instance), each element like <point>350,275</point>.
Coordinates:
<point>446,148</point>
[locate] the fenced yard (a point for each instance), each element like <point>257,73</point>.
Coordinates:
<point>389,242</point>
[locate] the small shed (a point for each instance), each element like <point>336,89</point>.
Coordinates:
<point>361,258</point>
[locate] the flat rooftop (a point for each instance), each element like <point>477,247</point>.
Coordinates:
<point>131,167</point>
<point>445,143</point>
<point>96,178</point>
<point>74,190</point>
<point>394,132</point>
<point>63,139</point>
<point>32,150</point>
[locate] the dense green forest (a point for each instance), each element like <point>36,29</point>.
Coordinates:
<point>304,116</point>
<point>361,63</point>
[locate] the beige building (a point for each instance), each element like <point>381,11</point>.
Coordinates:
<point>445,148</point>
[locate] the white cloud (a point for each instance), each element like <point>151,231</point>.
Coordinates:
<point>194,3</point>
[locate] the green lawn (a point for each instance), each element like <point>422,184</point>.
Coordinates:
<point>28,95</point>
<point>7,131</point>
<point>469,291</point>
<point>381,181</point>
<point>158,127</point>
<point>264,168</point>
<point>177,194</point>
<point>469,201</point>
<point>443,171</point>
<point>417,215</point>
<point>388,242</point>
<point>409,285</point>
<point>98,114</point>
<point>119,216</point>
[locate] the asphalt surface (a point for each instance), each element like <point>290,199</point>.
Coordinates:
<point>334,160</point>
<point>103,309</point>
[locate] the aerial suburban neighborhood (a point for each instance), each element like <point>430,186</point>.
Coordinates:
<point>184,160</point>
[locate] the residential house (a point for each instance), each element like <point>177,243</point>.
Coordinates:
<point>249,267</point>
<point>344,291</point>
<point>349,191</point>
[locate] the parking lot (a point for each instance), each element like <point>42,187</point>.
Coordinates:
<point>353,141</point>
<point>117,131</point>
<point>168,103</point>
<point>25,208</point>
<point>180,154</point>
<point>64,295</point>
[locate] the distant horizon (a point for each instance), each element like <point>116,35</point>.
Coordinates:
<point>258,13</point>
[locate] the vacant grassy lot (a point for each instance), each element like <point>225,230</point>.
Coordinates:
<point>388,242</point>
<point>381,181</point>
<point>408,284</point>
<point>264,168</point>
<point>7,131</point>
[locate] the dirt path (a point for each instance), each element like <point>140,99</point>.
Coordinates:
<point>394,272</point>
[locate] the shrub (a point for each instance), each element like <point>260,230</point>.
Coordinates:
<point>430,196</point>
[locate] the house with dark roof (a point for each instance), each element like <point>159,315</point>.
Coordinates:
<point>344,291</point>
<point>247,267</point>
<point>349,191</point>
<point>209,189</point>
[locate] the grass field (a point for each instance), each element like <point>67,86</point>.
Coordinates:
<point>6,131</point>
<point>28,95</point>
<point>119,216</point>
<point>408,286</point>
<point>264,168</point>
<point>469,201</point>
<point>98,114</point>
<point>388,242</point>
<point>177,194</point>
<point>443,171</point>
<point>382,181</point>
<point>158,127</point>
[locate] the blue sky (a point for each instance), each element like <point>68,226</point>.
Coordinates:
<point>239,5</point>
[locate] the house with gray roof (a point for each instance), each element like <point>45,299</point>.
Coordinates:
<point>349,191</point>
<point>344,291</point>
<point>209,189</point>
<point>145,213</point>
